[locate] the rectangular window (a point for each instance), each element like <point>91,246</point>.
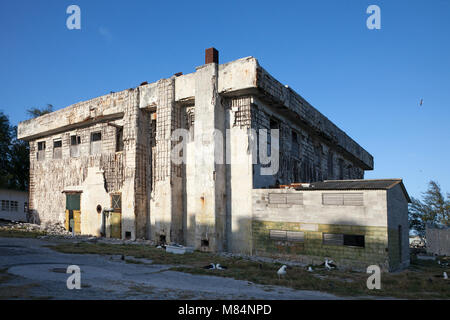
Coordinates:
<point>119,139</point>
<point>278,235</point>
<point>343,199</point>
<point>5,205</point>
<point>57,149</point>
<point>333,239</point>
<point>354,240</point>
<point>25,207</point>
<point>14,206</point>
<point>41,150</point>
<point>296,236</point>
<point>116,202</point>
<point>96,143</point>
<point>75,142</point>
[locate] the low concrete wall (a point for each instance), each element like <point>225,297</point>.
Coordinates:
<point>314,219</point>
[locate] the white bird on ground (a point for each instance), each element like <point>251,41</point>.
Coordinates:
<point>281,272</point>
<point>219,267</point>
<point>329,264</point>
<point>439,262</point>
<point>310,269</point>
<point>445,275</point>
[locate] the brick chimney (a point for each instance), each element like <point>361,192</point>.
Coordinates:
<point>211,56</point>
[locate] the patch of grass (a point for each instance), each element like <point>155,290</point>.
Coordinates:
<point>14,233</point>
<point>413,283</point>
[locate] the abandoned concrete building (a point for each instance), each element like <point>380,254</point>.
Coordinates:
<point>105,164</point>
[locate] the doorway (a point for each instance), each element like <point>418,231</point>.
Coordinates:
<point>73,213</point>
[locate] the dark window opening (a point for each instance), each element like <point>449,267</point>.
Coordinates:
<point>205,243</point>
<point>41,150</point>
<point>119,139</point>
<point>96,136</point>
<point>96,143</point>
<point>162,239</point>
<point>41,145</point>
<point>127,235</point>
<point>57,149</point>
<point>75,140</point>
<point>354,240</point>
<point>99,209</point>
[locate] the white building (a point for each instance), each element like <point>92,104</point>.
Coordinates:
<point>13,205</point>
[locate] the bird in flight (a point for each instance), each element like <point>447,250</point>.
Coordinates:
<point>421,102</point>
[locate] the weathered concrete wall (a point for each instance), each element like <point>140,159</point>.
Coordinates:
<point>210,166</point>
<point>311,158</point>
<point>286,100</point>
<point>94,194</point>
<point>239,175</point>
<point>49,177</point>
<point>314,219</point>
<point>398,226</point>
<point>166,208</point>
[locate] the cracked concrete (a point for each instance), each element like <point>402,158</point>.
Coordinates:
<point>109,277</point>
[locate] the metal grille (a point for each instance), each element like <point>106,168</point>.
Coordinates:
<point>294,198</point>
<point>295,236</point>
<point>277,198</point>
<point>333,239</point>
<point>353,199</point>
<point>345,199</point>
<point>278,235</point>
<point>333,199</point>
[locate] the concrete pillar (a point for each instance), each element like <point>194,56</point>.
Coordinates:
<point>166,208</point>
<point>210,172</point>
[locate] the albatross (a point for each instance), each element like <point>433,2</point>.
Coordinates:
<point>282,271</point>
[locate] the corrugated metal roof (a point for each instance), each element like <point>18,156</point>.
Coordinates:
<point>376,184</point>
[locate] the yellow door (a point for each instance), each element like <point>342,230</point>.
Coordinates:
<point>116,231</point>
<point>66,222</point>
<point>77,218</point>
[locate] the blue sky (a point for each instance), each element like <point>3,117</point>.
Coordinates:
<point>368,82</point>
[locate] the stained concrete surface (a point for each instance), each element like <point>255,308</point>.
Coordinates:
<point>41,271</point>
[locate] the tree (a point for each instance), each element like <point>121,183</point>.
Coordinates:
<point>37,112</point>
<point>434,208</point>
<point>19,163</point>
<point>14,157</point>
<point>5,141</point>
